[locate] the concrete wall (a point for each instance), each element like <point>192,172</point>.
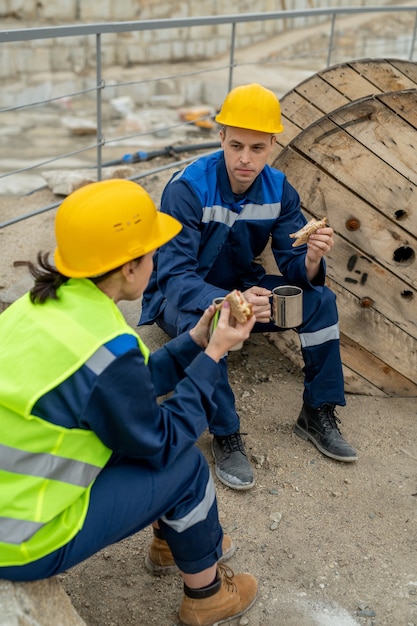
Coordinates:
<point>46,68</point>
<point>70,11</point>
<point>24,60</point>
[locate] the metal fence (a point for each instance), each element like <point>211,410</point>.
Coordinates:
<point>330,51</point>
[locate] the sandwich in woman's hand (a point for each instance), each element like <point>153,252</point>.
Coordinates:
<point>302,235</point>
<point>240,308</point>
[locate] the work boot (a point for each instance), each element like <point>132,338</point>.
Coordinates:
<point>228,597</point>
<point>320,426</point>
<point>160,562</point>
<point>231,463</point>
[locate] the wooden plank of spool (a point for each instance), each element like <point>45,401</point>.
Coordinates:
<point>337,152</point>
<point>380,232</point>
<point>377,128</point>
<point>385,75</point>
<point>336,86</point>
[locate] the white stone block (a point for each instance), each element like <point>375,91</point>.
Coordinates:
<point>65,9</point>
<point>40,603</point>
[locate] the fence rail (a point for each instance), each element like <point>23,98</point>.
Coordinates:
<point>331,50</point>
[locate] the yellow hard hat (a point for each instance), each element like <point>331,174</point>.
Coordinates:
<point>253,107</point>
<point>106,224</point>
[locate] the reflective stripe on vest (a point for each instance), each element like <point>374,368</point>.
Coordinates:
<point>50,466</point>
<point>17,531</point>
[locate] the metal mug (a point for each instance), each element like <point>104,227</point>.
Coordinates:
<point>287,306</point>
<point>214,321</point>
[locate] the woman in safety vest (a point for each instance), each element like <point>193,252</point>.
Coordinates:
<point>87,454</point>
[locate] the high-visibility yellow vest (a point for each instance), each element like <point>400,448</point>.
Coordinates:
<point>47,471</point>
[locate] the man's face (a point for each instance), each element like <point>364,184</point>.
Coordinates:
<point>246,153</point>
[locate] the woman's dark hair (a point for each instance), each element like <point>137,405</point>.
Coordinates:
<point>48,279</point>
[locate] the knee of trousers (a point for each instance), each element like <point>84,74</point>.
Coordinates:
<point>319,305</point>
<point>174,321</point>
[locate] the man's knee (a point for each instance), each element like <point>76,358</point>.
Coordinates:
<point>322,301</point>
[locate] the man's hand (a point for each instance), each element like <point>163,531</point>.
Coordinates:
<point>318,245</point>
<point>259,298</point>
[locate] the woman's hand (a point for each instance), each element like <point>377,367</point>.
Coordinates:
<point>228,333</point>
<point>201,331</point>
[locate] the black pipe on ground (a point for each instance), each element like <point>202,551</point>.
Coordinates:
<point>141,155</point>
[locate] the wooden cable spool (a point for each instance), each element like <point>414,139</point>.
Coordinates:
<point>357,165</point>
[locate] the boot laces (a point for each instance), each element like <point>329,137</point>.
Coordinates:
<point>233,443</point>
<point>328,417</point>
<point>227,575</point>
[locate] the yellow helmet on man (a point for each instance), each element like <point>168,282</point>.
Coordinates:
<point>103,225</point>
<point>253,107</point>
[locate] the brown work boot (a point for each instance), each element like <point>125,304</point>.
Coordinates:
<point>160,562</point>
<point>229,597</point>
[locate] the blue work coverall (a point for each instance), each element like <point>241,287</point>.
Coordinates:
<point>218,250</point>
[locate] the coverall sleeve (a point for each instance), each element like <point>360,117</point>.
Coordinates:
<point>124,412</point>
<point>167,364</point>
<point>291,261</point>
<point>178,276</point>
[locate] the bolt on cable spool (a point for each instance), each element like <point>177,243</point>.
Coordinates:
<point>348,149</point>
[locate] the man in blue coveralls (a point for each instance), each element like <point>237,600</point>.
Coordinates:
<point>231,204</point>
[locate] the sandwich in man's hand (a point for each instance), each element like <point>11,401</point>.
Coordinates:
<point>302,235</point>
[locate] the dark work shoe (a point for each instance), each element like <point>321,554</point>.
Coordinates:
<point>320,426</point>
<point>231,463</point>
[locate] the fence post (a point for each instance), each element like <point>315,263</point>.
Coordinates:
<point>330,48</point>
<point>99,87</point>
<point>232,56</point>
<point>413,38</point>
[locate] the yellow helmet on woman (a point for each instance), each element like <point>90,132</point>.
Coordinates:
<point>103,225</point>
<point>253,107</point>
